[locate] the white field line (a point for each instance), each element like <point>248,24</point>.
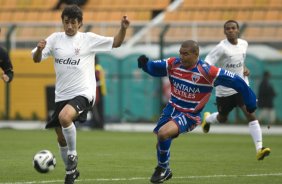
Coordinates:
<point>144,178</point>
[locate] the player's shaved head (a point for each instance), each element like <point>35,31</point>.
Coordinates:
<point>192,45</point>
<point>189,53</point>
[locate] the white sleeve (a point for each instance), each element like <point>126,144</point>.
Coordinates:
<point>100,43</point>
<point>214,55</point>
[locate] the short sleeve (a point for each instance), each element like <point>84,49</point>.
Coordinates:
<point>99,43</point>
<point>214,55</point>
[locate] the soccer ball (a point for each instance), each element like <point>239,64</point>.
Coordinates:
<point>44,161</point>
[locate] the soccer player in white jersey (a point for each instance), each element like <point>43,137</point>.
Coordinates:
<point>230,54</point>
<point>74,54</point>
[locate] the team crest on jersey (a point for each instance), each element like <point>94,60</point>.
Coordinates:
<point>76,51</point>
<point>195,78</point>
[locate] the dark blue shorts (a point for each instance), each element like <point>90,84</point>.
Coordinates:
<point>186,122</point>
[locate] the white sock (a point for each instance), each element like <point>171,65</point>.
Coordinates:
<point>255,131</point>
<point>64,154</point>
<point>212,118</point>
<point>70,136</point>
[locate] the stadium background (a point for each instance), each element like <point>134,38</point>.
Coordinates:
<point>157,28</point>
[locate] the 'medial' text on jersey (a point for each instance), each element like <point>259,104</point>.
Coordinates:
<point>238,65</point>
<point>68,61</point>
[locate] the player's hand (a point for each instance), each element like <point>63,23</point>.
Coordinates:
<point>246,71</point>
<point>8,76</point>
<point>41,45</point>
<point>5,77</point>
<point>125,22</point>
<point>142,61</point>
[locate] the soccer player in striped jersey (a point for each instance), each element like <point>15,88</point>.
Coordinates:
<point>192,81</point>
<point>230,54</point>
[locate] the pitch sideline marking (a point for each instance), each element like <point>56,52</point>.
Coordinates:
<point>143,178</point>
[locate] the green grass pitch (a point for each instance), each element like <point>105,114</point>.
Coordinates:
<point>121,158</point>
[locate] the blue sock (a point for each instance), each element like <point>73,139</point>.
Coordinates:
<point>163,153</point>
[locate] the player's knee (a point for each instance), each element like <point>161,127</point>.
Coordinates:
<point>65,119</point>
<point>163,135</point>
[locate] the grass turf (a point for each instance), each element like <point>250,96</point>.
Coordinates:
<point>121,158</point>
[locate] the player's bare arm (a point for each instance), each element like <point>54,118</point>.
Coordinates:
<point>118,39</point>
<point>38,53</point>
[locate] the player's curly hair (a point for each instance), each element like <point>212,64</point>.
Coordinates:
<point>229,21</point>
<point>72,12</point>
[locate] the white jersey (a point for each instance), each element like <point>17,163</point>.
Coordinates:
<point>230,57</point>
<point>74,62</point>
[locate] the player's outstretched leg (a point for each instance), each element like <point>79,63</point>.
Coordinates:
<point>263,152</point>
<point>161,174</point>
<point>205,125</point>
<point>72,173</point>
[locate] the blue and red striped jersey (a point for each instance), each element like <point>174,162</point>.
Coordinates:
<point>191,87</point>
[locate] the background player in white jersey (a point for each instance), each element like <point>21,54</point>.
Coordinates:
<point>74,54</point>
<point>230,54</point>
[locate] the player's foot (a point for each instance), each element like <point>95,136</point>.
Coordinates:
<point>263,152</point>
<point>161,174</point>
<point>205,125</point>
<point>71,176</point>
<point>72,162</point>
<point>71,172</point>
